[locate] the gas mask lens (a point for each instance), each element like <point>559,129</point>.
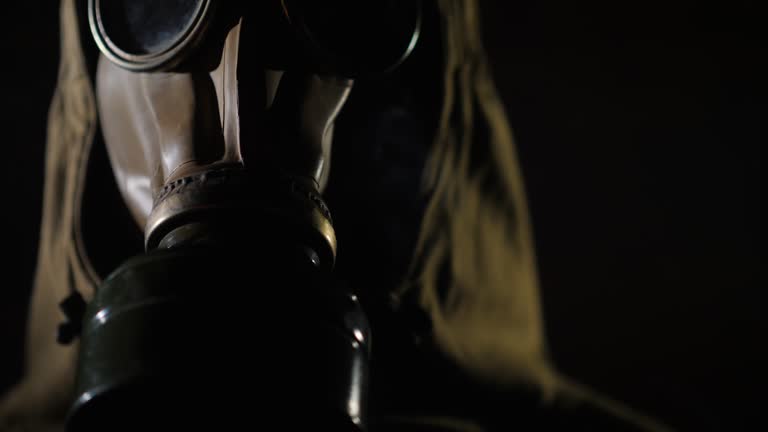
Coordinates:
<point>149,35</point>
<point>346,38</point>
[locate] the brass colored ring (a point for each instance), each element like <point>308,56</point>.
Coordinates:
<point>287,201</point>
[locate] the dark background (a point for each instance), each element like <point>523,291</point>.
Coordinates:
<point>635,127</point>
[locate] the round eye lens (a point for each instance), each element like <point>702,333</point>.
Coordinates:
<point>144,35</point>
<point>355,37</point>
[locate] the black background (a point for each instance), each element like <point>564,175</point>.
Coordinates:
<point>636,126</point>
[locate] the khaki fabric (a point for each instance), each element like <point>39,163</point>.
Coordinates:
<point>476,227</point>
<point>42,396</point>
<point>489,319</point>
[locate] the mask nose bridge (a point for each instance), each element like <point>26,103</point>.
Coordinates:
<point>225,82</point>
<point>245,90</point>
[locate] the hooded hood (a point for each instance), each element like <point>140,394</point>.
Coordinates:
<point>473,268</point>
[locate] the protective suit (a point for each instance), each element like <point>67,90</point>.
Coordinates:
<point>475,356</point>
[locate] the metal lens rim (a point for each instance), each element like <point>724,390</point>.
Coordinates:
<point>166,59</point>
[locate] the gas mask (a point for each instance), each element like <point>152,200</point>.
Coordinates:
<point>193,90</point>
<point>218,118</point>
